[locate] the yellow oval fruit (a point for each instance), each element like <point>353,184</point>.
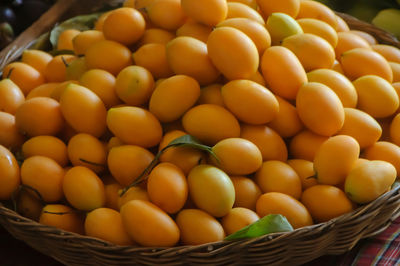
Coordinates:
<point>208,12</point>
<point>241,10</point>
<point>313,52</point>
<point>256,31</point>
<point>211,190</point>
<point>189,56</point>
<point>282,71</point>
<point>167,187</point>
<point>83,189</point>
<point>319,28</point>
<point>210,123</point>
<point>335,158</point>
<point>142,218</point>
<point>47,146</point>
<point>385,151</point>
<point>134,125</point>
<point>10,174</point>
<point>279,203</point>
<point>290,7</point>
<point>233,53</point>
<point>376,96</point>
<point>173,97</point>
<point>83,110</point>
<point>250,102</point>
<point>280,26</point>
<point>237,156</point>
<point>120,164</point>
<point>320,108</point>
<point>106,224</point>
<point>238,218</point>
<point>359,62</point>
<point>277,176</point>
<point>368,180</point>
<point>341,85</point>
<point>361,126</point>
<point>325,202</point>
<point>287,122</point>
<point>198,227</point>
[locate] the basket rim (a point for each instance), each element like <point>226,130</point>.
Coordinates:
<point>393,195</point>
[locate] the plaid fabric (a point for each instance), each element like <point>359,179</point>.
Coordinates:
<point>381,250</point>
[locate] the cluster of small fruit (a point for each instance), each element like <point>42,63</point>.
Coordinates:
<point>384,14</point>
<point>17,15</point>
<point>293,112</point>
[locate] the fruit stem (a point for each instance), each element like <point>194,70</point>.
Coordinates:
<point>9,73</point>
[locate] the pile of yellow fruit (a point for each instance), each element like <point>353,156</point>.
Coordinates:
<point>288,112</point>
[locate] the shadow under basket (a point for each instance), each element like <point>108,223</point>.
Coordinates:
<point>334,237</point>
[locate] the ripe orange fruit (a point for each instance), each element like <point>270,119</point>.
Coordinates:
<point>325,202</point>
<point>277,176</point>
<point>246,192</point>
<point>198,227</point>
<point>279,203</point>
<point>10,174</point>
<point>320,108</point>
<point>238,218</point>
<point>142,218</point>
<point>237,156</point>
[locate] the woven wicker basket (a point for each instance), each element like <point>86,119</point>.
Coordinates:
<point>300,246</point>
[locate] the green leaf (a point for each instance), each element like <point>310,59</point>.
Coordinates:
<point>83,22</point>
<point>183,141</point>
<point>271,223</point>
<point>192,142</point>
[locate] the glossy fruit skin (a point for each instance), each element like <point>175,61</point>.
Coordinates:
<point>279,203</point>
<point>376,96</point>
<point>281,26</point>
<point>83,189</point>
<point>211,190</point>
<point>305,170</point>
<point>119,161</point>
<point>144,128</point>
<point>385,151</point>
<point>167,187</point>
<point>47,146</point>
<point>198,227</point>
<point>249,101</point>
<point>256,31</point>
<point>238,218</point>
<point>334,203</point>
<point>359,62</point>
<point>166,14</point>
<point>341,85</point>
<point>184,157</point>
<point>319,28</point>
<point>10,174</point>
<point>189,56</point>
<point>269,142</point>
<point>39,116</point>
<point>305,145</point>
<point>83,110</point>
<point>11,96</point>
<point>282,71</point>
<point>241,10</point>
<point>10,137</point>
<point>313,9</point>
<point>173,97</point>
<point>208,12</point>
<point>313,51</point>
<point>335,158</point>
<point>233,53</point>
<point>210,123</point>
<point>246,192</point>
<point>107,224</point>
<point>124,25</point>
<point>361,126</point>
<point>148,225</point>
<point>277,176</point>
<point>237,156</point>
<point>369,179</point>
<point>69,220</point>
<point>320,109</point>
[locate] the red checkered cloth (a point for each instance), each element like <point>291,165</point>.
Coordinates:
<point>382,249</point>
